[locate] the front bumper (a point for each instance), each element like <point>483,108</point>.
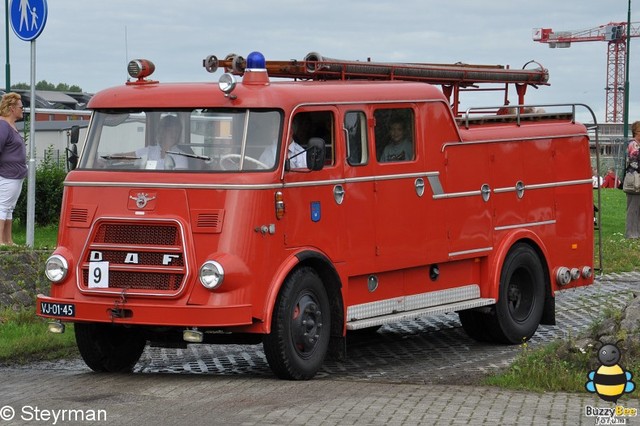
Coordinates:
<point>127,312</point>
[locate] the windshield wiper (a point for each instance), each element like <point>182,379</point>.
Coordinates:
<point>119,157</point>
<point>186,154</point>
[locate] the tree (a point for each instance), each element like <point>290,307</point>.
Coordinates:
<point>45,85</point>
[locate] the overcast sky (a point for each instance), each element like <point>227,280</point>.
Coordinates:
<point>88,43</point>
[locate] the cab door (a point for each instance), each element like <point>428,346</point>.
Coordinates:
<point>359,189</point>
<point>399,189</point>
<point>314,216</point>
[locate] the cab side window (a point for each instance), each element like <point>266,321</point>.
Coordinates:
<point>316,124</point>
<point>355,126</point>
<point>394,134</point>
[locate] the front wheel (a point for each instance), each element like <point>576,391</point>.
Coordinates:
<point>300,328</point>
<point>109,348</point>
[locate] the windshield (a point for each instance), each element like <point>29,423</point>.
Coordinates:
<point>197,140</point>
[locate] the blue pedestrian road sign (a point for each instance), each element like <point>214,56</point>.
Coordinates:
<point>28,18</point>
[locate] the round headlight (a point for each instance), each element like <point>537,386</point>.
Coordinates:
<point>56,268</point>
<point>227,83</point>
<point>211,274</point>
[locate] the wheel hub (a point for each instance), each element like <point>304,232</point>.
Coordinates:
<point>307,324</point>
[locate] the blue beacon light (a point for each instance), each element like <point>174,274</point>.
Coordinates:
<point>255,72</point>
<point>256,60</point>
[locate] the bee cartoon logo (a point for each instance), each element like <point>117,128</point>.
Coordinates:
<point>610,380</point>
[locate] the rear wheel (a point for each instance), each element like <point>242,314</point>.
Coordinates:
<point>476,325</point>
<point>520,306</point>
<point>109,348</point>
<point>299,338</point>
<point>518,311</point>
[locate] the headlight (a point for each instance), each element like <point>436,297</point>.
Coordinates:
<point>227,83</point>
<point>56,268</point>
<point>211,274</point>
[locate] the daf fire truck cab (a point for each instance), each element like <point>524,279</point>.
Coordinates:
<point>339,196</point>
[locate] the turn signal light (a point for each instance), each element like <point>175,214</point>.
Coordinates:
<point>279,205</point>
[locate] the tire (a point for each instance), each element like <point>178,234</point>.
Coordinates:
<point>109,348</point>
<point>476,325</point>
<point>521,296</point>
<point>300,328</point>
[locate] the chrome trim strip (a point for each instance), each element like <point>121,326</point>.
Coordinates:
<point>525,225</point>
<point>457,194</point>
<point>472,251</point>
<point>433,178</point>
<point>435,184</point>
<point>313,183</point>
<point>505,189</point>
<point>558,184</point>
<point>251,186</point>
<point>544,185</point>
<point>174,185</point>
<point>439,196</point>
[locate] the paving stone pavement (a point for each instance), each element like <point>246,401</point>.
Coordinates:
<point>413,373</point>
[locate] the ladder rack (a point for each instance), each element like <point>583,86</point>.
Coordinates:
<point>452,77</point>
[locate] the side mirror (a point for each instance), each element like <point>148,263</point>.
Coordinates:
<point>315,154</point>
<point>75,134</point>
<point>72,152</point>
<point>72,157</point>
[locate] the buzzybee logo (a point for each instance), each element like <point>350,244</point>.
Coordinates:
<point>610,380</point>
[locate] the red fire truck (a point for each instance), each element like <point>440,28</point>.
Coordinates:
<point>343,195</point>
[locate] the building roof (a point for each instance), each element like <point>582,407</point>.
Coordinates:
<point>51,99</point>
<point>54,125</point>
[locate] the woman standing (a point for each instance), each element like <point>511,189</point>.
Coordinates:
<point>633,200</point>
<point>13,162</point>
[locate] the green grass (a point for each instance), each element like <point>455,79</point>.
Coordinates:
<point>44,238</point>
<point>541,370</point>
<point>24,338</point>
<point>619,254</point>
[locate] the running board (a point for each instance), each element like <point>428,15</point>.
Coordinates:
<point>417,313</point>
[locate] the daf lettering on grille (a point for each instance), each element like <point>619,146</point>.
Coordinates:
<point>168,258</point>
<point>133,258</point>
<point>141,199</point>
<point>95,256</point>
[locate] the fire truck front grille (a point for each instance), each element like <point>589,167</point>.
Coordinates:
<point>141,258</point>
<point>143,281</point>
<point>162,235</point>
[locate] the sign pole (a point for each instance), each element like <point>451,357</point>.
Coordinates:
<point>6,32</point>
<point>31,178</point>
<point>28,18</point>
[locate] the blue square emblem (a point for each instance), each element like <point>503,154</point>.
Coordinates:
<point>315,211</point>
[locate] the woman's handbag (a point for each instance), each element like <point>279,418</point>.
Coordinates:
<point>631,183</point>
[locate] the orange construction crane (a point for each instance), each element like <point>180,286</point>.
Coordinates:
<point>615,34</point>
